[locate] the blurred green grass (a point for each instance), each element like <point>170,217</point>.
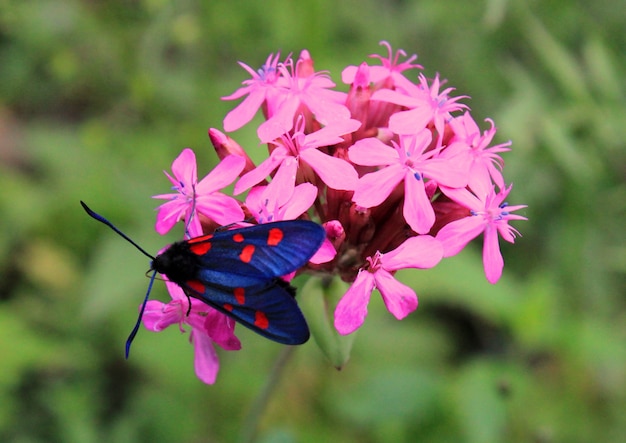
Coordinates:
<point>97,98</point>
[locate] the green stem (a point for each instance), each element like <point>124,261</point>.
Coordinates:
<point>252,420</point>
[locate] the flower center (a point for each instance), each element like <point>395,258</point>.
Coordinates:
<point>374,263</point>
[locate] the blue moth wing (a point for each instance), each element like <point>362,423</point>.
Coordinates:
<point>257,254</point>
<point>268,309</point>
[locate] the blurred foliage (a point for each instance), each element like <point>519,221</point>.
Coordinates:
<point>97,98</point>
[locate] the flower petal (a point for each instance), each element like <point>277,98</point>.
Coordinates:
<point>262,171</point>
<point>224,173</point>
<point>417,210</point>
<point>301,200</point>
<point>399,298</point>
<point>373,188</point>
<point>184,167</point>
<point>422,251</point>
<point>220,208</point>
<point>455,235</point>
<point>158,316</point>
<point>324,254</point>
<point>411,121</point>
<point>331,134</point>
<point>281,122</point>
<point>335,172</point>
<point>282,186</point>
<point>205,359</point>
<point>372,152</point>
<point>221,329</point>
<point>492,258</point>
<point>169,214</point>
<point>351,310</point>
<point>244,112</point>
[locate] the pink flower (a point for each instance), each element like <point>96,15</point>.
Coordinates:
<point>486,164</point>
<point>427,105</point>
<point>262,87</point>
<point>489,215</point>
<point>193,197</point>
<point>300,149</point>
<point>390,73</point>
<point>302,93</point>
<point>208,326</point>
<point>421,252</point>
<point>408,162</point>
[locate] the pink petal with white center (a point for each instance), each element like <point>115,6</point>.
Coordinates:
<point>372,152</point>
<point>373,188</point>
<point>245,111</point>
<point>455,235</point>
<point>224,173</point>
<point>492,258</point>
<point>205,360</point>
<point>351,310</point>
<point>399,299</point>
<point>422,251</point>
<point>417,210</point>
<point>262,171</point>
<point>335,172</point>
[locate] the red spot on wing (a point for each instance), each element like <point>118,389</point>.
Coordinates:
<point>228,307</point>
<point>200,239</point>
<point>238,237</point>
<point>200,248</point>
<point>240,295</point>
<point>275,236</point>
<point>246,253</point>
<point>260,320</point>
<point>196,286</point>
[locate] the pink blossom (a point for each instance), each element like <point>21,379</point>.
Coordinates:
<point>208,326</point>
<point>427,105</point>
<point>490,216</point>
<point>302,93</point>
<point>193,197</point>
<point>421,252</point>
<point>390,73</point>
<point>486,163</point>
<point>262,87</point>
<point>300,149</point>
<point>408,162</point>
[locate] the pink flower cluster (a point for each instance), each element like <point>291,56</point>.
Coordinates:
<point>395,169</point>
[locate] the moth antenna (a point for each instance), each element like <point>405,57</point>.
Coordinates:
<point>131,337</point>
<point>101,219</point>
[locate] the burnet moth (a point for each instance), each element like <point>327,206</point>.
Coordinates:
<point>238,272</point>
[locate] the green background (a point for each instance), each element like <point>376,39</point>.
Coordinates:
<point>98,97</point>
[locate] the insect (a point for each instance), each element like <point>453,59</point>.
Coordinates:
<point>238,273</point>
